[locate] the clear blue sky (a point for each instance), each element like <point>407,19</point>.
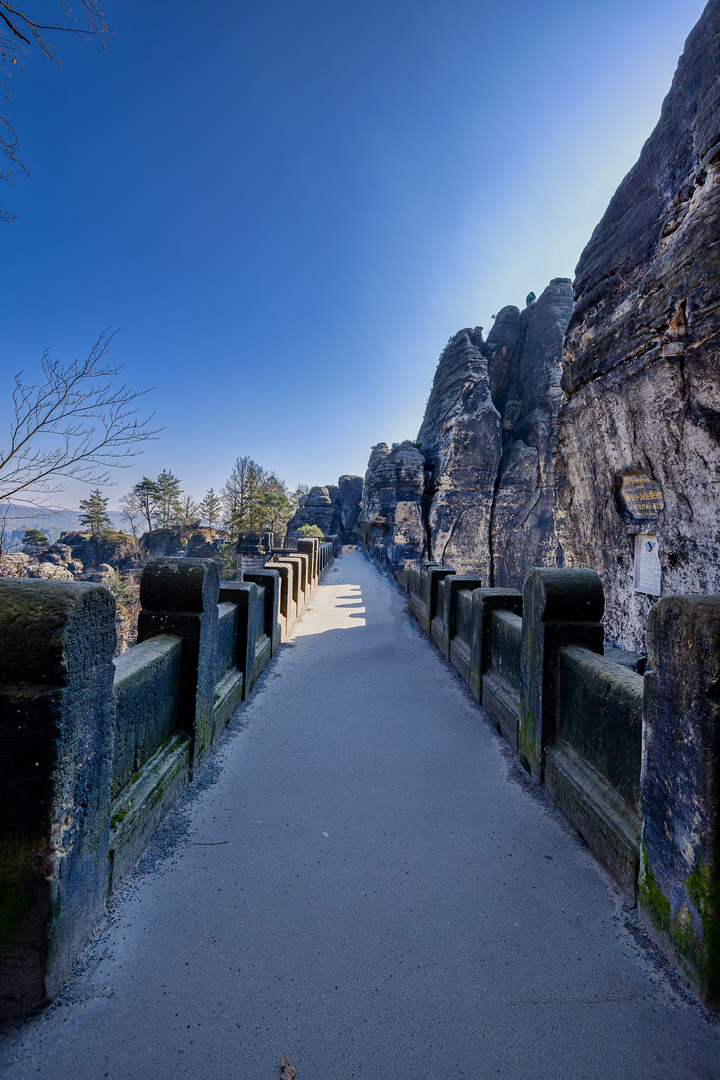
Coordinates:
<point>291,205</point>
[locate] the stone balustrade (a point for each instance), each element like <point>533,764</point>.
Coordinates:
<point>94,751</point>
<point>632,760</point>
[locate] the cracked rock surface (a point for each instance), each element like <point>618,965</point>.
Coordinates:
<point>641,363</point>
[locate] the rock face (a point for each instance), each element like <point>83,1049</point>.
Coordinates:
<point>115,548</point>
<point>642,365</point>
<point>524,373</point>
<point>487,438</point>
<point>334,509</point>
<point>391,512</point>
<point>351,489</point>
<point>460,438</point>
<point>319,508</point>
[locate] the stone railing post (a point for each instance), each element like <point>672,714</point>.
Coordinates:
<point>309,546</point>
<point>180,596</point>
<point>680,784</point>
<point>560,607</point>
<point>57,640</point>
<point>453,584</point>
<point>433,575</point>
<point>249,626</point>
<point>485,601</point>
<point>269,579</point>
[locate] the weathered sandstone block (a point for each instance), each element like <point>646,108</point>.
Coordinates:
<point>460,438</point>
<point>391,512</point>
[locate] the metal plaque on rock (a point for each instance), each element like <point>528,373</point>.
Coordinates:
<point>648,573</point>
<point>639,498</point>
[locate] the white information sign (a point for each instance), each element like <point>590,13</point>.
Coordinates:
<point>648,575</point>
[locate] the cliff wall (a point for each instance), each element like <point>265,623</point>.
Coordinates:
<point>476,489</point>
<point>641,366</point>
<point>391,512</point>
<point>334,509</point>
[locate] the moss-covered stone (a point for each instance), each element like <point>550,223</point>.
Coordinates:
<point>680,797</point>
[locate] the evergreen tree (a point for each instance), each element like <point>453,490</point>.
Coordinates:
<point>34,539</point>
<point>168,511</point>
<point>211,508</point>
<point>241,494</point>
<point>94,513</point>
<point>146,493</point>
<point>276,504</point>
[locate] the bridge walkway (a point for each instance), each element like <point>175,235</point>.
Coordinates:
<point>367,886</point>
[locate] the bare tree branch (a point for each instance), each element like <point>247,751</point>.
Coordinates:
<point>19,32</point>
<point>77,424</point>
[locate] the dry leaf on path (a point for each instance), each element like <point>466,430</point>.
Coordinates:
<point>288,1071</point>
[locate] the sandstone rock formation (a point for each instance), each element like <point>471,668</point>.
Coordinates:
<point>14,564</point>
<point>526,384</point>
<point>318,508</point>
<point>50,570</point>
<point>334,509</point>
<point>461,439</point>
<point>642,365</point>
<point>115,548</point>
<point>391,512</point>
<point>487,438</point>
<point>351,489</point>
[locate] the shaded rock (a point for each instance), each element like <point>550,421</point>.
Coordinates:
<point>460,438</point>
<point>391,511</point>
<point>641,373</point>
<point>350,492</point>
<point>487,439</point>
<point>63,552</point>
<point>161,542</point>
<point>203,543</point>
<point>318,509</point>
<point>500,347</point>
<point>523,530</point>
<point>115,548</point>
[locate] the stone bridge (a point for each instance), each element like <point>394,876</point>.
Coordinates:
<point>360,866</point>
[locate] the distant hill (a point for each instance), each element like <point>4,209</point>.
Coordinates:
<point>52,520</point>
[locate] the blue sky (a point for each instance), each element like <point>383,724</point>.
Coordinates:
<point>290,205</point>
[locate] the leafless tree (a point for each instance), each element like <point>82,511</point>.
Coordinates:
<point>5,509</point>
<point>190,510</point>
<point>76,424</point>
<point>19,33</point>
<point>133,511</point>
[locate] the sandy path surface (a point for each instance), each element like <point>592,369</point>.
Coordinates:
<point>361,883</point>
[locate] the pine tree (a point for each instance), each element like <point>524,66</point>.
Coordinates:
<point>211,508</point>
<point>94,513</point>
<point>35,539</point>
<point>276,505</point>
<point>146,493</point>
<point>168,511</point>
<point>241,495</point>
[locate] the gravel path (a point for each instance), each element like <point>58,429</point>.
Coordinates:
<point>363,882</point>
